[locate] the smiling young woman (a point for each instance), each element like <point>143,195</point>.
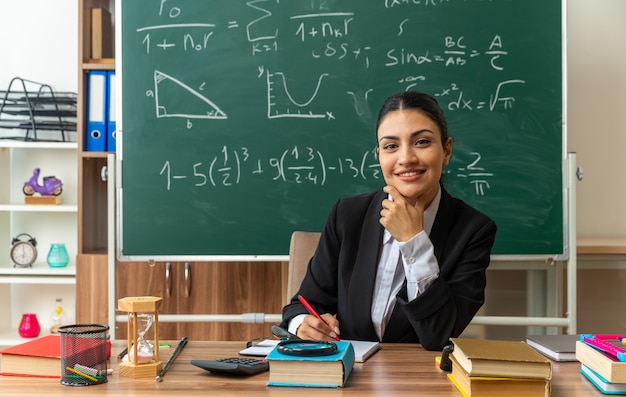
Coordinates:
<point>406,263</point>
<point>412,154</point>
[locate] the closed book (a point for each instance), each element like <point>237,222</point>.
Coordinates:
<point>312,371</point>
<point>602,384</point>
<point>556,347</point>
<point>603,364</point>
<point>499,358</point>
<point>480,386</point>
<point>41,357</point>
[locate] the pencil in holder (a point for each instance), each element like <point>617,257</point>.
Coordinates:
<point>84,354</point>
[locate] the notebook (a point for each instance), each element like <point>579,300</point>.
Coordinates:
<point>362,349</point>
<point>555,347</point>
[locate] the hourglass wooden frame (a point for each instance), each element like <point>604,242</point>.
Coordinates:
<point>133,306</point>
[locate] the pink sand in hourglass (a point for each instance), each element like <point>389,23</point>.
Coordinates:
<point>142,357</point>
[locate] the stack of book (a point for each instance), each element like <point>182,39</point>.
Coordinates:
<point>499,368</point>
<point>330,370</point>
<point>601,366</point>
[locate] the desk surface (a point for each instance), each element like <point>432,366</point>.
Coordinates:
<point>601,246</point>
<point>396,370</point>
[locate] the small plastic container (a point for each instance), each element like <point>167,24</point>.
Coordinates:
<point>84,354</point>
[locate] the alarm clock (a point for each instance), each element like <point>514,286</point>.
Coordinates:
<point>23,250</point>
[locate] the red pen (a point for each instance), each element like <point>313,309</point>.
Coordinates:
<point>310,309</point>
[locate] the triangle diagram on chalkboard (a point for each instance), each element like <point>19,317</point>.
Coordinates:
<point>174,98</point>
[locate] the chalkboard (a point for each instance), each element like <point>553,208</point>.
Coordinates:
<point>242,121</point>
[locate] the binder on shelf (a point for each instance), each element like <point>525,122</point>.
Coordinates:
<point>101,34</point>
<point>111,111</point>
<point>95,134</point>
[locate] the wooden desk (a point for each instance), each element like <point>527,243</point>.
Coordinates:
<point>396,370</point>
<point>601,246</point>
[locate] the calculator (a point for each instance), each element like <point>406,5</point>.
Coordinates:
<point>233,365</point>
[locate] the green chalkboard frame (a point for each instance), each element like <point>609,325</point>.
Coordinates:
<point>242,122</point>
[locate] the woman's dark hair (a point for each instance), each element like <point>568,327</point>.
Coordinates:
<point>418,101</point>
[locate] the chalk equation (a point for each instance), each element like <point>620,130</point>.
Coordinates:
<point>319,33</point>
<point>475,175</point>
<point>330,29</point>
<point>460,101</point>
<point>398,3</point>
<point>299,165</point>
<point>282,103</point>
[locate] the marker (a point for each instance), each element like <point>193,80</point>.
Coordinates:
<point>310,309</point>
<point>180,346</point>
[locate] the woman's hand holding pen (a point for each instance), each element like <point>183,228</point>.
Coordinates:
<point>402,219</point>
<point>316,329</point>
<point>320,324</point>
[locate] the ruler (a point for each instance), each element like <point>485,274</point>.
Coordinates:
<point>613,344</point>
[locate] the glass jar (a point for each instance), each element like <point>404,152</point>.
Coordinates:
<point>57,318</point>
<point>57,256</point>
<point>29,326</point>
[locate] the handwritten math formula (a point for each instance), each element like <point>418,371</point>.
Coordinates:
<point>272,29</point>
<point>299,165</point>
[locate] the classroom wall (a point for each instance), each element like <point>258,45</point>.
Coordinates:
<point>597,132</point>
<point>597,113</point>
<point>39,42</point>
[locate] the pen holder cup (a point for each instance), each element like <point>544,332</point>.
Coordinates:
<point>85,349</point>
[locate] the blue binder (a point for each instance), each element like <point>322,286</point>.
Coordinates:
<point>95,135</point>
<point>111,111</point>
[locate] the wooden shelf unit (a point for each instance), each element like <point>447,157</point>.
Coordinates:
<point>218,287</point>
<point>93,206</point>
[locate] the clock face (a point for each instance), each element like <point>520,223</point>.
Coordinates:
<point>23,253</point>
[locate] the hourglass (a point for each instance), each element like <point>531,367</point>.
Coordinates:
<point>145,349</point>
<point>143,358</point>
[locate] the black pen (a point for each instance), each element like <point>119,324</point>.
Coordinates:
<point>123,353</point>
<point>178,349</point>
